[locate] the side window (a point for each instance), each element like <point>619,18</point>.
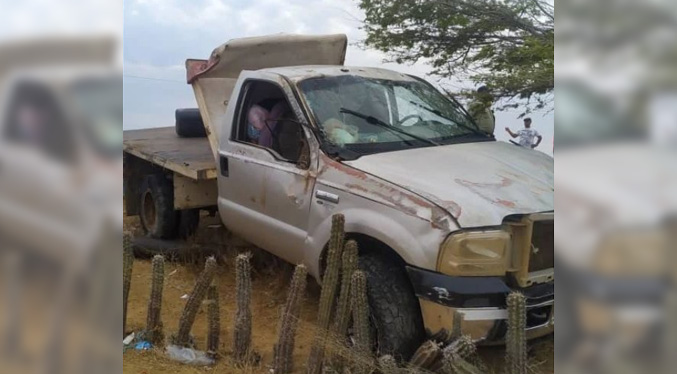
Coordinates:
<point>35,119</point>
<point>267,120</point>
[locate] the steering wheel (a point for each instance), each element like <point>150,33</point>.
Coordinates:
<point>406,118</point>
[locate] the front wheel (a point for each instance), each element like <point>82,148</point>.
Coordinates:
<point>395,311</point>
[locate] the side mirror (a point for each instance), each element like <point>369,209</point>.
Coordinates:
<point>303,161</point>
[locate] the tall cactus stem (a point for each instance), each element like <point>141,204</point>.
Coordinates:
<point>194,301</point>
<point>213,322</point>
<point>343,310</point>
<point>457,329</point>
<point>284,349</point>
<point>328,294</point>
<point>361,313</point>
<point>154,320</point>
<point>516,341</point>
<point>127,265</point>
<point>243,315</point>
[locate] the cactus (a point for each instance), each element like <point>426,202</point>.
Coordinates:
<point>462,347</point>
<point>361,312</point>
<point>154,321</point>
<point>213,322</point>
<point>457,330</point>
<point>343,310</point>
<point>388,365</point>
<point>516,341</point>
<point>427,355</point>
<point>127,265</point>
<point>328,294</point>
<point>284,349</point>
<point>243,316</point>
<point>454,356</point>
<point>461,366</point>
<point>194,301</point>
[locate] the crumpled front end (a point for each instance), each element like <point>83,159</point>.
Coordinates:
<point>478,269</point>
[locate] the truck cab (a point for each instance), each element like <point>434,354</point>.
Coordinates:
<point>446,218</point>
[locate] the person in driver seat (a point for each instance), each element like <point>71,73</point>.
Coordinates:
<point>262,123</point>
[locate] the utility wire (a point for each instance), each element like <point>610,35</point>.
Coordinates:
<point>152,79</point>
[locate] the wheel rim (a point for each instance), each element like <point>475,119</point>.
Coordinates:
<point>148,210</point>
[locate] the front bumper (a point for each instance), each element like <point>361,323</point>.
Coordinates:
<point>482,302</point>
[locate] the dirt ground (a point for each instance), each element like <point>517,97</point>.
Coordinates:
<point>270,278</point>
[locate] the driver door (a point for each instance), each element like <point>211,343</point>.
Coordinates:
<point>263,195</point>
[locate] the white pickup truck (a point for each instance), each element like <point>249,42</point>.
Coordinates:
<point>446,217</point>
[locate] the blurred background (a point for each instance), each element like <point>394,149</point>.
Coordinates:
<point>60,186</point>
<point>616,181</point>
<point>61,170</point>
<point>161,34</point>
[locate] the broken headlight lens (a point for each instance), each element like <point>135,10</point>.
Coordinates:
<point>475,253</point>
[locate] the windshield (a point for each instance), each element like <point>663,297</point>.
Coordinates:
<point>366,115</point>
<point>99,102</point>
<point>582,117</point>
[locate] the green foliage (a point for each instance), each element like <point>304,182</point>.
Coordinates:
<point>506,45</point>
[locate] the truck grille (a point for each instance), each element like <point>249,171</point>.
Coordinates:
<point>542,255</point>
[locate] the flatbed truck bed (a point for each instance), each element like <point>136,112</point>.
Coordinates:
<point>167,180</point>
<point>190,157</point>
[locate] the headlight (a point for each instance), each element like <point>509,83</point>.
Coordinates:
<point>634,253</point>
<point>475,253</point>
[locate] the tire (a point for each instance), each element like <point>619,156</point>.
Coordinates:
<point>395,312</point>
<point>156,207</point>
<point>189,123</point>
<point>188,222</point>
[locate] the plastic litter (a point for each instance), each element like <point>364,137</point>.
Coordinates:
<point>143,346</point>
<point>188,356</point>
<point>184,297</point>
<point>129,339</point>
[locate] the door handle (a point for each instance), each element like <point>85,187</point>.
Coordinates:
<point>223,165</point>
<point>327,196</point>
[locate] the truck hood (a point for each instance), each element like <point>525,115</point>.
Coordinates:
<point>477,183</point>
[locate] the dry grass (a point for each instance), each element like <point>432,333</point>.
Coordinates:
<point>270,277</point>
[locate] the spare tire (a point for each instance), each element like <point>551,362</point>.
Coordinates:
<point>189,123</point>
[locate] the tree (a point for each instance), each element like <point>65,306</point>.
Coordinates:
<point>507,45</point>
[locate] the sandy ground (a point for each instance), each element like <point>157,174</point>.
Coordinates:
<point>269,279</point>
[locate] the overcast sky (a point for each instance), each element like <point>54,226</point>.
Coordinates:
<point>160,34</point>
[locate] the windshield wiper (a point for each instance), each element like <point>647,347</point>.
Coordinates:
<point>375,121</point>
<point>437,112</point>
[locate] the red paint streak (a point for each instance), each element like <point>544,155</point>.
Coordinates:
<point>505,182</point>
<point>196,68</point>
<point>345,169</point>
<point>453,208</point>
<point>506,203</point>
<point>368,185</point>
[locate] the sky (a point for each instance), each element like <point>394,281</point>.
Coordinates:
<point>159,35</point>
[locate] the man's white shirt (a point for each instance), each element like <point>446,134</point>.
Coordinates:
<point>527,136</point>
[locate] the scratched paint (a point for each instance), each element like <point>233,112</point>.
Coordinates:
<point>479,184</point>
<point>363,184</point>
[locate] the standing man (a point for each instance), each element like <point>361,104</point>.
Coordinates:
<point>526,135</point>
<point>480,110</point>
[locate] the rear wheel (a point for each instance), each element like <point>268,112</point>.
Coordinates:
<point>157,214</point>
<point>395,312</point>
